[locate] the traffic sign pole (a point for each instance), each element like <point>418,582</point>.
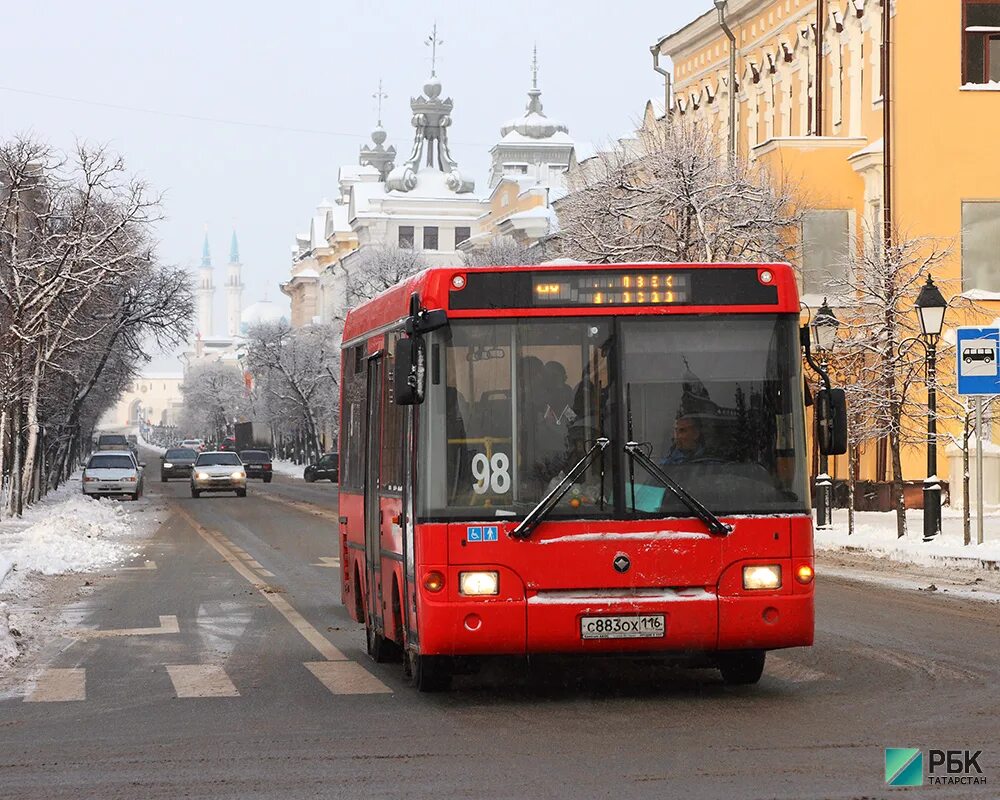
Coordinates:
<point>979,470</point>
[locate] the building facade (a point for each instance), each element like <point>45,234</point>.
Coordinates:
<point>881,111</point>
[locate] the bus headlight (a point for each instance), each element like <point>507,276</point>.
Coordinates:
<point>762,577</point>
<point>477,584</point>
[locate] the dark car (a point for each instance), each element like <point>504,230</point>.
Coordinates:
<point>228,445</point>
<point>177,463</point>
<point>257,464</point>
<point>326,469</point>
<point>112,441</point>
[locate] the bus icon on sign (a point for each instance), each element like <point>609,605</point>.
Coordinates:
<point>979,357</point>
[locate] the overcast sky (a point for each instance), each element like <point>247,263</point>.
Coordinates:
<point>311,66</point>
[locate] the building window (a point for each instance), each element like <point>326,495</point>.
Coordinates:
<point>980,243</point>
<point>406,236</point>
<point>430,238</point>
<point>462,234</point>
<point>981,41</point>
<point>826,236</point>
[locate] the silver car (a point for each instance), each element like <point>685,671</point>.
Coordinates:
<point>218,472</point>
<point>113,472</point>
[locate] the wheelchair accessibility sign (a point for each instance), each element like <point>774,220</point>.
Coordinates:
<point>977,351</point>
<point>483,533</point>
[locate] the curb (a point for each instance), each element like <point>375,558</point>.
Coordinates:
<point>968,562</point>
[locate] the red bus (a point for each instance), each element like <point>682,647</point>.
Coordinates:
<point>572,459</point>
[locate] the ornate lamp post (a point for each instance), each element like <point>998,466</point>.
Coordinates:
<point>930,307</point>
<point>824,334</point>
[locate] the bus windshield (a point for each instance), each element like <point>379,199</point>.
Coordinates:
<point>512,405</point>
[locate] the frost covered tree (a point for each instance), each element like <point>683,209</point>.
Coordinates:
<point>76,254</point>
<point>296,374</point>
<point>669,196</point>
<point>378,267</point>
<point>504,251</point>
<point>214,395</point>
<point>882,362</point>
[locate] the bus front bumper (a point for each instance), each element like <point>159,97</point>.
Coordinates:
<point>693,620</point>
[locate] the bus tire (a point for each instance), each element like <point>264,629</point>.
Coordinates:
<point>380,649</point>
<point>742,667</point>
<point>428,673</point>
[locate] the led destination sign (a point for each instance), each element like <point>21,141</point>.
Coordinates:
<point>613,289</point>
<point>637,287</point>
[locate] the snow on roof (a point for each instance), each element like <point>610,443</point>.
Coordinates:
<point>536,212</point>
<point>263,311</point>
<point>558,139</point>
<point>306,273</point>
<point>583,151</point>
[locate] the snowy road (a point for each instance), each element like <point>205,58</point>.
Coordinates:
<point>222,665</point>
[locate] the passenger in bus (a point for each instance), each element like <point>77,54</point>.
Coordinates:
<point>558,393</point>
<point>689,442</point>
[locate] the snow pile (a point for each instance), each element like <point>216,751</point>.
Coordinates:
<point>875,533</point>
<point>67,532</point>
<point>8,638</point>
<point>288,468</point>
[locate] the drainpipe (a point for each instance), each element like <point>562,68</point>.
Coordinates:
<point>820,33</point>
<point>655,50</point>
<point>886,124</point>
<point>721,6</point>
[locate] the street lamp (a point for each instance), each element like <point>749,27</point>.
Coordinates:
<point>824,333</point>
<point>930,307</point>
<point>722,6</point>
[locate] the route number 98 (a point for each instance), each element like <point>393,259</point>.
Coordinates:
<point>491,474</point>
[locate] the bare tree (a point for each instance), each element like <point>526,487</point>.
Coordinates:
<point>296,375</point>
<point>214,395</point>
<point>377,268</point>
<point>669,196</point>
<point>504,251</point>
<point>882,362</point>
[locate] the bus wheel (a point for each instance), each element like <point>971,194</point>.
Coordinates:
<point>742,667</point>
<point>379,648</point>
<point>428,673</point>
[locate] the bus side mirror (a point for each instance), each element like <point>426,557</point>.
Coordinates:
<point>409,371</point>
<point>831,421</point>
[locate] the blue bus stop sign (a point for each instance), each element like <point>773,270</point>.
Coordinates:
<point>977,351</point>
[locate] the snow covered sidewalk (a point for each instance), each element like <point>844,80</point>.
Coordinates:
<point>65,532</point>
<point>288,468</point>
<point>873,554</point>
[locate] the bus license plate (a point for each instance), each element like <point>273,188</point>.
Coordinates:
<point>648,626</point>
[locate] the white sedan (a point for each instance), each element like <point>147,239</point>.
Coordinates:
<point>218,472</point>
<point>113,473</point>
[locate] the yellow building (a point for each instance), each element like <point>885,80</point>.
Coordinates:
<point>874,108</point>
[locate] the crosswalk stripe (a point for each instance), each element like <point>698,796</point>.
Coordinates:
<point>784,669</point>
<point>168,624</point>
<point>201,680</point>
<point>328,561</point>
<point>146,566</point>
<point>59,685</point>
<point>346,677</point>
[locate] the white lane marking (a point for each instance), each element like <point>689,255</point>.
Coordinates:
<point>148,565</point>
<point>784,669</point>
<point>264,573</point>
<point>295,619</point>
<point>58,686</point>
<point>327,561</point>
<point>304,506</point>
<point>168,624</point>
<point>201,680</point>
<point>346,677</point>
<point>255,564</point>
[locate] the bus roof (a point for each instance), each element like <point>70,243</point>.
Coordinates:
<point>499,292</point>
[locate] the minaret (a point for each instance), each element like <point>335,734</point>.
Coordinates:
<point>234,289</point>
<point>206,293</point>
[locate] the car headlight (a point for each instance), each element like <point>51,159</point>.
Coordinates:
<point>167,465</point>
<point>239,474</point>
<point>203,476</point>
<point>476,584</point>
<point>762,577</point>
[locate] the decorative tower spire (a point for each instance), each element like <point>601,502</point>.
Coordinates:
<point>534,67</point>
<point>234,289</point>
<point>379,156</point>
<point>205,291</point>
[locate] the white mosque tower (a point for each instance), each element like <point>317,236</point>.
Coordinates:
<point>206,293</point>
<point>234,290</point>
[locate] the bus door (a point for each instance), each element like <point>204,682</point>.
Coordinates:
<point>373,533</point>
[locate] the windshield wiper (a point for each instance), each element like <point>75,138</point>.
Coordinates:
<point>551,500</point>
<point>714,524</point>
